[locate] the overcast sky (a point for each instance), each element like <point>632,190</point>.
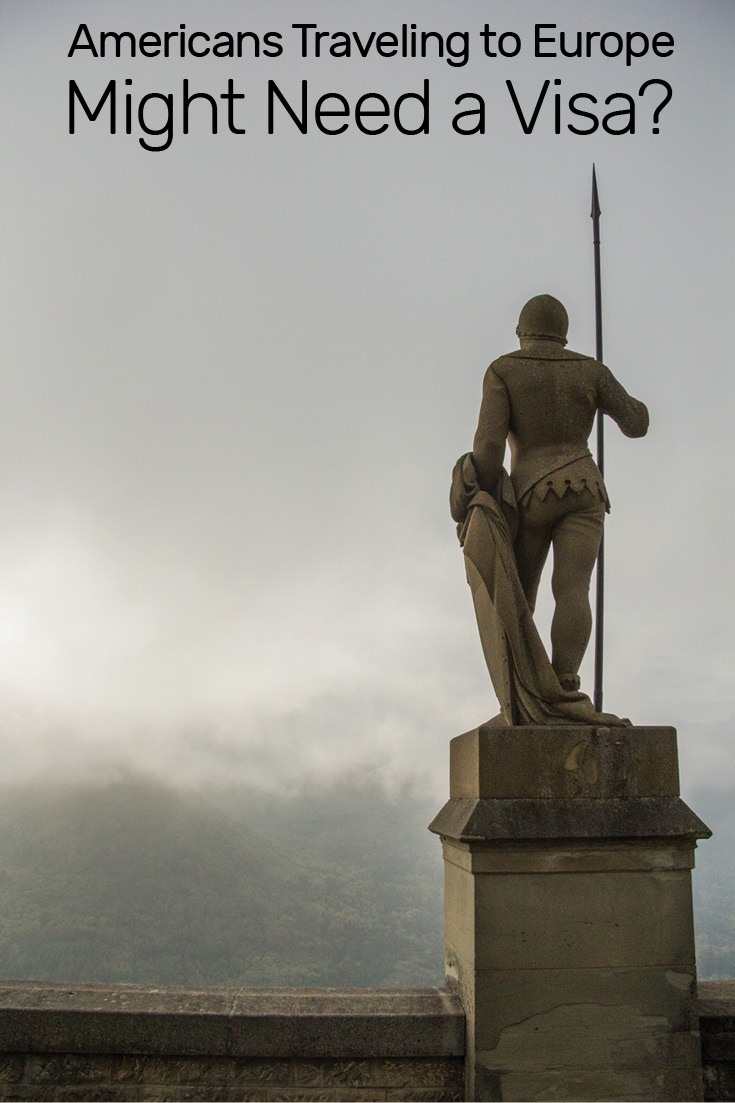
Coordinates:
<point>237,373</point>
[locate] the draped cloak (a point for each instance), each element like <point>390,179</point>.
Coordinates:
<point>524,680</point>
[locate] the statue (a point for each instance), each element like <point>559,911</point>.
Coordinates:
<point>542,399</point>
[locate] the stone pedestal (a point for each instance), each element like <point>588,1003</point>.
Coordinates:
<point>569,933</point>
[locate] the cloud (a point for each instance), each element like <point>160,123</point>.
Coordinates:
<point>240,373</point>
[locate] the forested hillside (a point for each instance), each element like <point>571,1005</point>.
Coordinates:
<point>714,888</point>
<point>135,881</point>
<point>132,881</point>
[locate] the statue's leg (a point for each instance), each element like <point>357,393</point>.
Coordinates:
<point>576,539</point>
<point>532,545</point>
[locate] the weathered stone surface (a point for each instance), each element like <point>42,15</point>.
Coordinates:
<point>107,1018</point>
<point>568,921</point>
<point>346,1022</point>
<point>336,1095</point>
<point>422,1073</point>
<point>506,997</point>
<point>716,1001</point>
<point>564,762</point>
<point>585,1035</point>
<point>603,1083</point>
<point>506,994</point>
<point>68,1093</point>
<point>414,1073</point>
<point>198,1093</point>
<point>716,1005</point>
<point>35,1092</point>
<point>115,1077</point>
<point>426,1095</point>
<point>19,1092</point>
<point>66,1068</point>
<point>568,909</point>
<point>579,856</point>
<point>11,1068</point>
<point>132,1043</point>
<point>352,1074</point>
<point>230,1022</point>
<point>534,783</point>
<point>646,817</point>
<point>197,1070</point>
<point>95,1093</point>
<point>600,920</point>
<point>719,1082</point>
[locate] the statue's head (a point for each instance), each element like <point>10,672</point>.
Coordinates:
<point>544,317</point>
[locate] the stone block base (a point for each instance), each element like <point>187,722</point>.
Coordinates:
<point>569,933</point>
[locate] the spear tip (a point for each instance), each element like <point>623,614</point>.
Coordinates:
<point>595,212</point>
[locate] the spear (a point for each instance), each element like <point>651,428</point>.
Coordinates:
<point>600,578</point>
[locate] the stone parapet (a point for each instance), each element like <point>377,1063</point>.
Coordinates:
<point>716,1006</point>
<point>131,1042</point>
<point>114,1072</point>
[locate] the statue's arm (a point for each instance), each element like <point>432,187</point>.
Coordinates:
<point>488,449</point>
<point>613,399</point>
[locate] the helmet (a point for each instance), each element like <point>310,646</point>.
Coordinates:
<point>544,316</point>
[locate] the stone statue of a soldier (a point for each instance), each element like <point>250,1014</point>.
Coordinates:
<point>541,399</point>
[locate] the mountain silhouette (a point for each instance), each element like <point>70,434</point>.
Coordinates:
<point>134,881</point>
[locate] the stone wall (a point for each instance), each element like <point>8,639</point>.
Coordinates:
<point>129,1042</point>
<point>717,1029</point>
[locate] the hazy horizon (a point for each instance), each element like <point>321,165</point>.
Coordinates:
<point>239,371</point>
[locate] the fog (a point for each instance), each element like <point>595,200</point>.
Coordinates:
<point>238,373</point>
